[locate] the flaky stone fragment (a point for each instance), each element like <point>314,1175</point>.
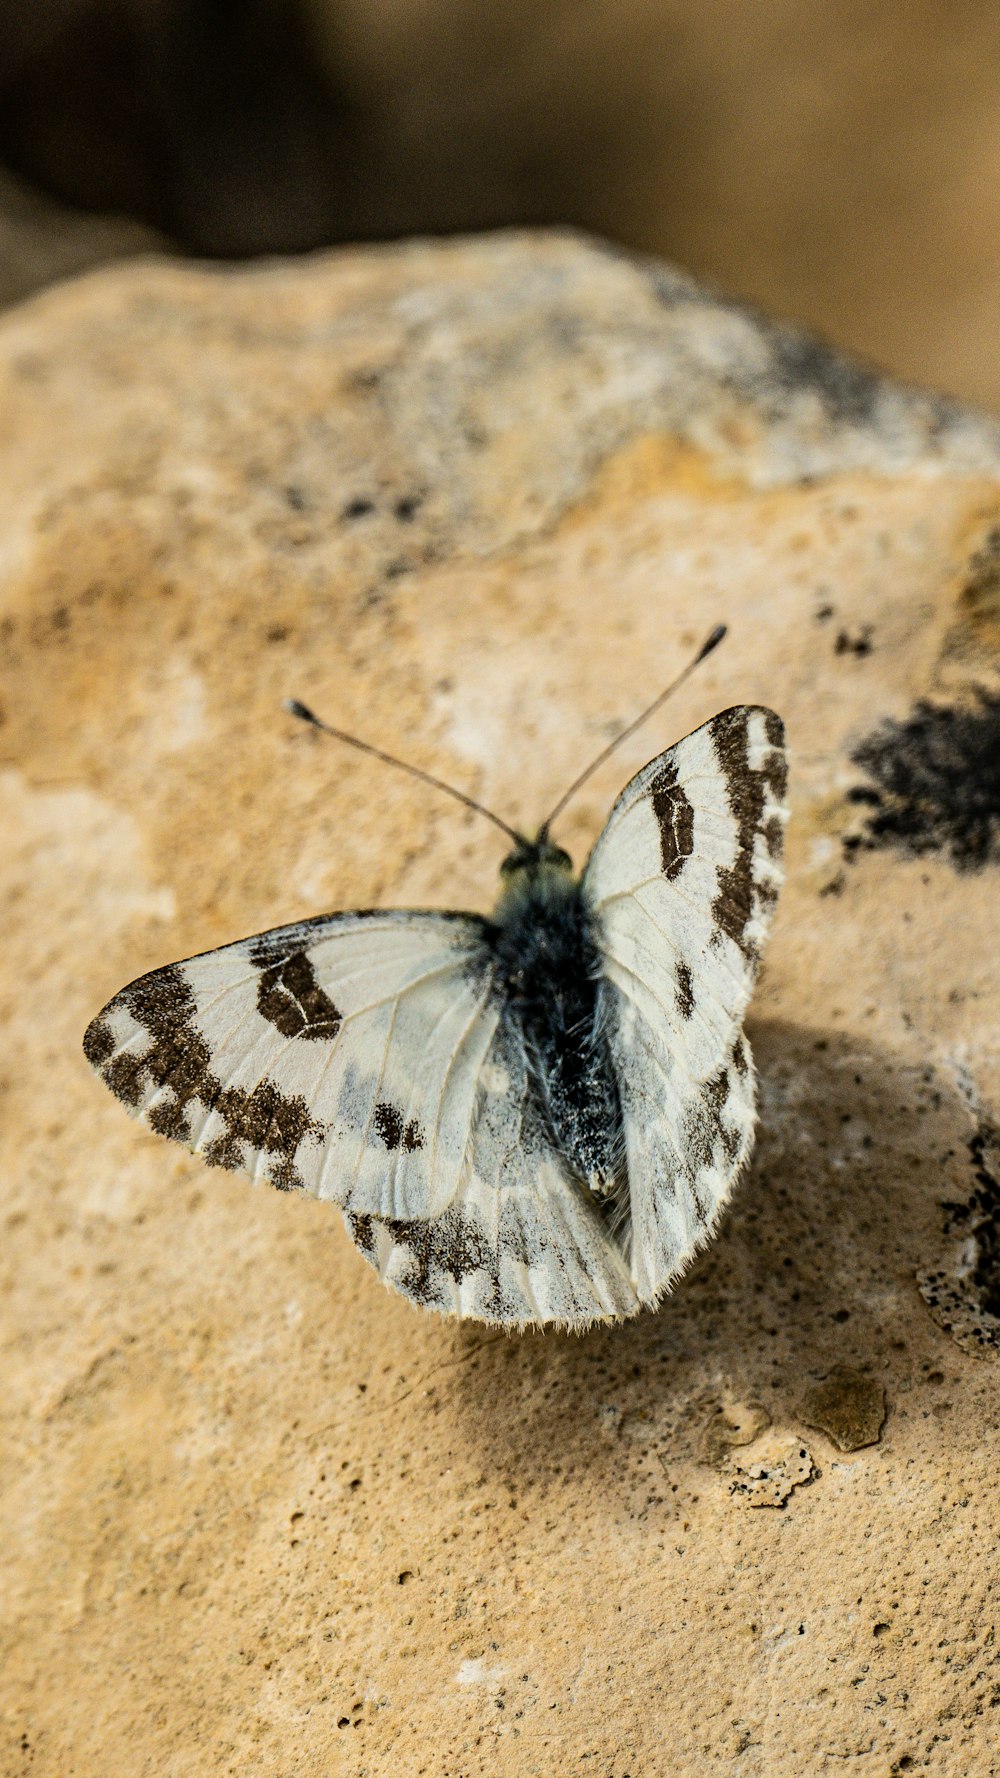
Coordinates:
<point>848,1406</point>
<point>768,1474</point>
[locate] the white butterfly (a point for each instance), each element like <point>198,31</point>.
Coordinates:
<point>532,1118</point>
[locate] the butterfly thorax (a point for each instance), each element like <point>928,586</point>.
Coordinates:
<point>547,970</point>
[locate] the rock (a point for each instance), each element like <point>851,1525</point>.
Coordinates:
<point>849,1407</point>
<point>961,1285</point>
<point>729,1426</point>
<point>477,501</point>
<point>769,1475</point>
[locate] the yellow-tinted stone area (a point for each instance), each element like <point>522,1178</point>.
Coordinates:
<point>477,502</point>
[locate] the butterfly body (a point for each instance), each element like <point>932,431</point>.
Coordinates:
<point>533,1118</point>
<point>547,973</point>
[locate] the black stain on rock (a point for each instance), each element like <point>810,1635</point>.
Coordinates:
<point>859,644</point>
<point>934,783</point>
<point>963,1292</point>
<point>849,391</point>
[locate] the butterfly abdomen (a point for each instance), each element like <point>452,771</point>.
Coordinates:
<point>547,974</point>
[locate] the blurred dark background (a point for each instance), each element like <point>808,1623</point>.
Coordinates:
<point>836,163</point>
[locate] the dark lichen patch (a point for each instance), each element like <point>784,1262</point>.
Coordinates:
<point>848,391</point>
<point>934,783</point>
<point>984,1149</point>
<point>796,362</point>
<point>848,1406</point>
<point>963,1291</point>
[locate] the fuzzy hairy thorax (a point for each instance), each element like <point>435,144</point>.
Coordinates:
<point>548,969</point>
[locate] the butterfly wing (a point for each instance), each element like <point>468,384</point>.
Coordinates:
<point>366,1059</point>
<point>681,886</point>
<point>522,1244</point>
<point>339,1056</point>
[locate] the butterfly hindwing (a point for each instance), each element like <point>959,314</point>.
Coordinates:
<point>681,886</point>
<point>522,1243</point>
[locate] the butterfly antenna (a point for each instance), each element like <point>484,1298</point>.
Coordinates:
<point>304,714</point>
<point>706,648</point>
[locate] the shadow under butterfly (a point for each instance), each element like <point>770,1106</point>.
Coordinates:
<point>527,1119</point>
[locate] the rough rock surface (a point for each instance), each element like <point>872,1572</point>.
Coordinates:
<point>477,501</point>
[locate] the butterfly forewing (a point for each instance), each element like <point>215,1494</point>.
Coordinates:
<point>363,1059</point>
<point>681,886</point>
<point>339,1056</point>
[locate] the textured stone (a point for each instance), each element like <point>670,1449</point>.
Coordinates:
<point>847,1406</point>
<point>477,502</point>
<point>768,1475</point>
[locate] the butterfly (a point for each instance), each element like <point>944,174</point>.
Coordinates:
<point>527,1119</point>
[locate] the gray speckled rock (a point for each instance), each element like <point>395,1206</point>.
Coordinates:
<point>477,501</point>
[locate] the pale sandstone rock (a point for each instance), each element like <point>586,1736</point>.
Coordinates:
<point>769,1474</point>
<point>477,501</point>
